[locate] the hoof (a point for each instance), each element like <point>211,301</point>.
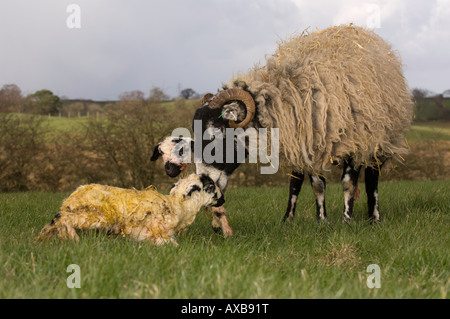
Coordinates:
<point>288,218</point>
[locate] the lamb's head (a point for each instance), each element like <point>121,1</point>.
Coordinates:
<point>171,149</point>
<point>199,190</point>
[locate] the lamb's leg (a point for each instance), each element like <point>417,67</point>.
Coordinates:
<point>349,183</point>
<point>371,180</point>
<point>294,189</point>
<point>220,221</point>
<point>318,185</point>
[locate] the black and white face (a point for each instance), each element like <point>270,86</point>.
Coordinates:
<point>210,126</point>
<point>219,176</point>
<point>202,184</point>
<point>211,188</point>
<point>172,152</point>
<point>216,121</point>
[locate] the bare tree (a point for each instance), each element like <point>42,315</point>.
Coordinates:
<point>11,99</point>
<point>21,142</point>
<point>124,139</point>
<point>157,95</point>
<point>420,93</point>
<point>132,96</point>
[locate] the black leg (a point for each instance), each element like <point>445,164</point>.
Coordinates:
<point>294,189</point>
<point>318,185</point>
<point>349,180</point>
<point>371,180</point>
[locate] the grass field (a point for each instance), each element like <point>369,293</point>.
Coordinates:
<point>265,258</point>
<point>426,131</point>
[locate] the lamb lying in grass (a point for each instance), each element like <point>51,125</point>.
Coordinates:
<point>142,215</point>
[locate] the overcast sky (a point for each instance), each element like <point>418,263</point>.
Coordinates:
<point>125,45</point>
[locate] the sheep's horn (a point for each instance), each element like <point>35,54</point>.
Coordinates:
<point>206,97</point>
<point>235,95</point>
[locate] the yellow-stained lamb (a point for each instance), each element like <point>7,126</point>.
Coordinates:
<point>142,215</point>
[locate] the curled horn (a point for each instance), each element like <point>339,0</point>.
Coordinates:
<point>235,95</point>
<point>206,97</point>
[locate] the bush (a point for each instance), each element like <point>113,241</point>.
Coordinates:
<point>21,142</point>
<point>123,142</point>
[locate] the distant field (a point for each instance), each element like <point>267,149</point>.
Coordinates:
<point>420,131</point>
<point>66,125</point>
<point>425,131</point>
<point>265,258</point>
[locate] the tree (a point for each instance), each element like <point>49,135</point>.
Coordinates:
<point>43,102</point>
<point>11,99</point>
<point>132,96</point>
<point>123,142</point>
<point>419,93</point>
<point>21,147</point>
<point>188,93</point>
<point>157,95</point>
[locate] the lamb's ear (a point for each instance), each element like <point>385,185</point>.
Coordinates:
<point>208,184</point>
<point>233,112</point>
<point>190,190</point>
<point>156,153</point>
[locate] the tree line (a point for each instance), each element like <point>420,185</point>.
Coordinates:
<point>116,148</point>
<point>45,102</point>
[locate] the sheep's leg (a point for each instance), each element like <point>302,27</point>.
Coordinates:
<point>318,185</point>
<point>220,221</point>
<point>371,180</point>
<point>349,184</point>
<point>294,189</point>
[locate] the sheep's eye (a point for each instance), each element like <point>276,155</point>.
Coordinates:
<point>210,188</point>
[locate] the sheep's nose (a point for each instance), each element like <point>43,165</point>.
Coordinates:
<point>220,201</point>
<point>172,170</point>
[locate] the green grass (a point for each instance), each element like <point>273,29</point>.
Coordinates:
<point>65,125</point>
<point>427,131</point>
<point>264,259</point>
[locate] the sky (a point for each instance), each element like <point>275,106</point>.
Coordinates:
<point>103,48</point>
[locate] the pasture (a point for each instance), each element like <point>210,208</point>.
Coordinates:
<point>264,259</point>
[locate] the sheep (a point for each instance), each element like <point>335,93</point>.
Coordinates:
<point>171,151</point>
<point>338,97</point>
<point>141,215</point>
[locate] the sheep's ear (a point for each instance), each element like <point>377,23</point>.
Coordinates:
<point>233,112</point>
<point>156,153</point>
<point>208,184</point>
<point>190,190</point>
